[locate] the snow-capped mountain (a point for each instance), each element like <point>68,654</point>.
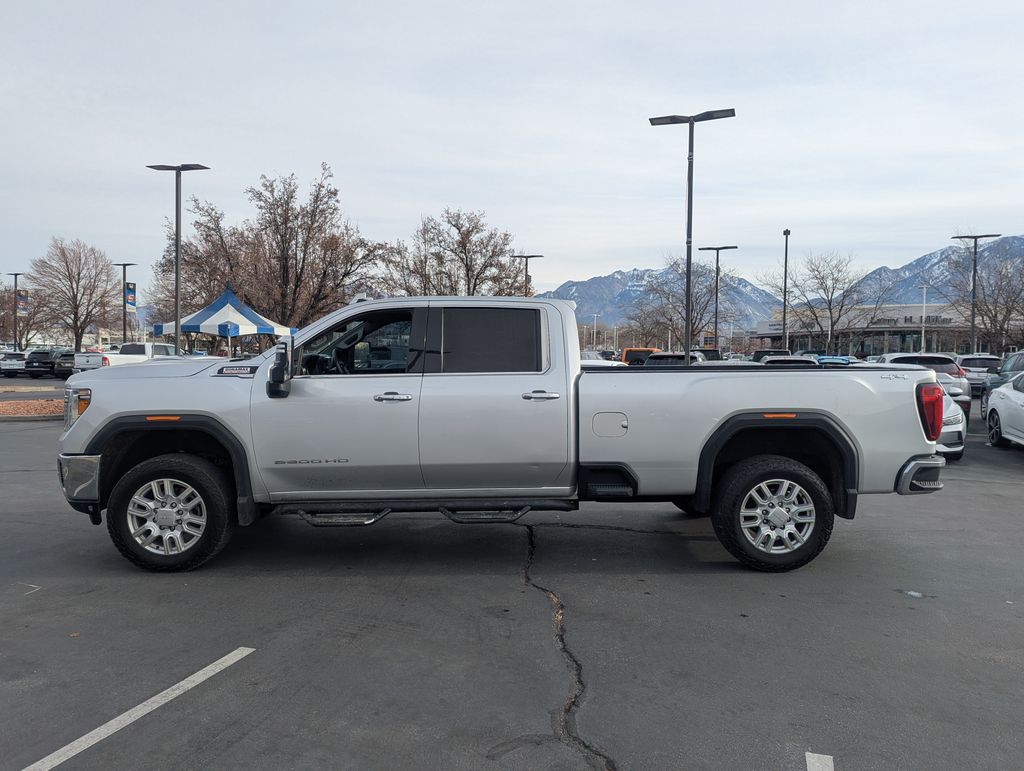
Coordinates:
<point>936,268</point>
<point>612,295</point>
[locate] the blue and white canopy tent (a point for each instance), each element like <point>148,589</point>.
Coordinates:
<point>227,316</point>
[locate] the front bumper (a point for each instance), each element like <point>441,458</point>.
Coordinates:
<point>951,440</point>
<point>920,475</point>
<point>80,479</point>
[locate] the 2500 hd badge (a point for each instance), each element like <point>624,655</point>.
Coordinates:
<point>310,460</point>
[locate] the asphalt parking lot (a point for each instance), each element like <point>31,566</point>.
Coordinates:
<point>620,637</point>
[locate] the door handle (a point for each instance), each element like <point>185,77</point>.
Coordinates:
<point>392,396</point>
<point>541,396</point>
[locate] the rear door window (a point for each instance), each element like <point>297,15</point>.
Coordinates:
<point>490,340</point>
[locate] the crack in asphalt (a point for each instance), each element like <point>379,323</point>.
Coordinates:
<point>564,717</point>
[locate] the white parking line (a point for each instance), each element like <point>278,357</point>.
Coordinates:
<point>69,751</point>
<point>819,762</point>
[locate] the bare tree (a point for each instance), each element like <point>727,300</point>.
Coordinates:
<point>457,254</point>
<point>294,262</point>
<point>667,288</point>
<point>828,294</point>
<point>999,293</point>
<point>80,285</point>
<point>645,321</point>
<point>30,325</point>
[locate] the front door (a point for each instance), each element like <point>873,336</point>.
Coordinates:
<point>495,403</point>
<point>349,424</point>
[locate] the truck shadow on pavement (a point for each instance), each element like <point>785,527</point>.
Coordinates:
<point>431,545</point>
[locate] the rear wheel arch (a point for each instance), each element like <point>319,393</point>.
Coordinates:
<point>815,440</point>
<point>127,441</point>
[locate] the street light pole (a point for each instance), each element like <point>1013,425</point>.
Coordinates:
<point>717,250</point>
<point>924,310</point>
<point>526,258</point>
<point>177,240</point>
<point>974,285</point>
<point>124,299</point>
<point>596,317</point>
<point>690,120</point>
<point>785,291</point>
<point>15,307</point>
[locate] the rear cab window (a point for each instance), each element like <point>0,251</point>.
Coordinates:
<point>484,340</point>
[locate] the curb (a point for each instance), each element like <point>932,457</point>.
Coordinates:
<point>28,418</point>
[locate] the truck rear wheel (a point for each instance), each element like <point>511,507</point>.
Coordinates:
<point>171,513</point>
<point>772,513</point>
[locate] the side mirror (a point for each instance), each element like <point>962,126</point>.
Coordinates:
<point>954,391</point>
<point>280,375</point>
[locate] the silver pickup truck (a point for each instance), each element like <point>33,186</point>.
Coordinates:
<point>478,408</point>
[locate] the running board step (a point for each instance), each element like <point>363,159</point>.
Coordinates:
<point>339,519</point>
<point>481,517</point>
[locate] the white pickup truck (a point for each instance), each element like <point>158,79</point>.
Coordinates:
<point>129,353</point>
<point>478,408</point>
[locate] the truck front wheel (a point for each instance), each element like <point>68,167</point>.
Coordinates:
<point>772,513</point>
<point>171,513</point>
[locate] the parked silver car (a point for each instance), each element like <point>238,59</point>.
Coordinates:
<point>977,366</point>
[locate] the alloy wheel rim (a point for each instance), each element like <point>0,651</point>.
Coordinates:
<point>777,516</point>
<point>994,433</point>
<point>166,517</point>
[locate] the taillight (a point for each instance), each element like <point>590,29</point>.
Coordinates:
<point>929,407</point>
<point>105,362</point>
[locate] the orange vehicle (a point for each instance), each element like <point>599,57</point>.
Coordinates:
<point>636,356</point>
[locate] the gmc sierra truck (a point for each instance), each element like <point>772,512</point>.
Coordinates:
<point>478,408</point>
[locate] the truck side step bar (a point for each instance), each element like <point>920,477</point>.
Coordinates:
<point>463,511</point>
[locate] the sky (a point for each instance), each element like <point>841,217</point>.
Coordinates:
<point>875,129</point>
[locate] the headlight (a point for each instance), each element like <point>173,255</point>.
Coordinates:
<point>952,420</point>
<point>76,401</point>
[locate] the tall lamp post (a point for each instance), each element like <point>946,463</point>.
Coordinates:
<point>668,120</point>
<point>716,250</point>
<point>974,285</point>
<point>785,291</point>
<point>124,299</point>
<point>177,239</point>
<point>924,310</point>
<point>15,307</point>
<point>596,317</point>
<point>526,280</point>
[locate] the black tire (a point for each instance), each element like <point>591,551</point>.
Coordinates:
<point>995,431</point>
<point>216,491</point>
<point>733,489</point>
<point>35,375</point>
<point>10,374</point>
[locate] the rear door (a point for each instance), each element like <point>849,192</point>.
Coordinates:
<point>496,400</point>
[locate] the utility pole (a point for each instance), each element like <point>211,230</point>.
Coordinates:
<point>16,340</point>
<point>690,120</point>
<point>526,279</point>
<point>177,240</point>
<point>716,250</point>
<point>785,291</point>
<point>124,299</point>
<point>924,310</point>
<point>974,285</point>
<point>596,317</point>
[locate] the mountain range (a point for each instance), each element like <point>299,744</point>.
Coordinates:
<point>612,295</point>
